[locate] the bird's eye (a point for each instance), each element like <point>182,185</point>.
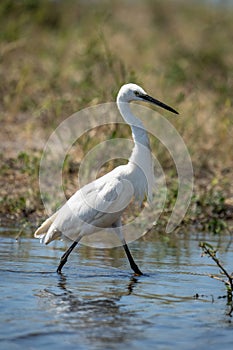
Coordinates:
<point>137,93</point>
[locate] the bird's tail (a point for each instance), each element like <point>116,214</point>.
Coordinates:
<point>43,229</point>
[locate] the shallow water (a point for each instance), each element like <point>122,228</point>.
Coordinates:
<point>98,304</point>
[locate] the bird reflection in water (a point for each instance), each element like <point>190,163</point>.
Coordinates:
<point>97,318</point>
<point>63,281</point>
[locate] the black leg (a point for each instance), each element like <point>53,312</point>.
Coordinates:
<point>65,257</point>
<point>131,260</point>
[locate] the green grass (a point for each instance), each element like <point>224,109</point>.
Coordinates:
<point>58,57</point>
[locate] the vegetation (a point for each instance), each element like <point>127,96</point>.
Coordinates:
<point>58,57</point>
<point>224,276</point>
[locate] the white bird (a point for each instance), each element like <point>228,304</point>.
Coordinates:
<point>100,204</point>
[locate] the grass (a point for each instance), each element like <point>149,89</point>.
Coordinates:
<point>58,57</point>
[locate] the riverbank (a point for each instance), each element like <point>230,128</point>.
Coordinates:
<point>55,62</point>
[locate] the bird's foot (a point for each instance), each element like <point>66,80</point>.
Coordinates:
<point>137,271</point>
<point>62,263</point>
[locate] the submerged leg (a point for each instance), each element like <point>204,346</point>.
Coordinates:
<point>133,265</point>
<point>65,256</point>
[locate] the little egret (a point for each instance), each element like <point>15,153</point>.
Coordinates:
<point>100,204</point>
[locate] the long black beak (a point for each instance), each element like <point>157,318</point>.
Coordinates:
<point>158,103</point>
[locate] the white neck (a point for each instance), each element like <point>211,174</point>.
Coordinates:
<point>141,155</point>
<point>138,131</point>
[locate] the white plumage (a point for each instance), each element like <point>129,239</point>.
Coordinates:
<point>101,203</point>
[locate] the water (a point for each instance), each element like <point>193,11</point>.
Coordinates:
<point>98,304</point>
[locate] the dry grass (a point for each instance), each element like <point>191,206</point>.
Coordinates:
<point>58,57</point>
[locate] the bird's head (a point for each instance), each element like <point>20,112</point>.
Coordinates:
<point>132,92</point>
